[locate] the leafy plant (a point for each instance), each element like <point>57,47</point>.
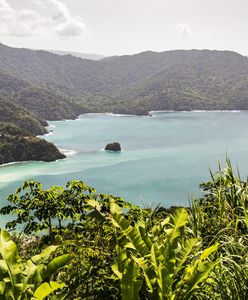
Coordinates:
<point>31,279</point>
<point>39,209</point>
<point>164,261</point>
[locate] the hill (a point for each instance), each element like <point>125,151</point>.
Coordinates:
<point>178,80</point>
<point>90,56</point>
<point>42,101</point>
<point>18,142</point>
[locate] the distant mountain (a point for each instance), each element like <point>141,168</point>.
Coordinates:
<point>90,56</point>
<point>179,79</point>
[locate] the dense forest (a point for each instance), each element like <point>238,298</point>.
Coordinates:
<point>177,80</point>
<point>18,130</point>
<point>97,246</point>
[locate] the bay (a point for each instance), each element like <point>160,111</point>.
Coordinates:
<point>164,156</point>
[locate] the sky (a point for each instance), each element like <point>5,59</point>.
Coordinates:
<point>117,27</point>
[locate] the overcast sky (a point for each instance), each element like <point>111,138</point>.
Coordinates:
<point>115,27</point>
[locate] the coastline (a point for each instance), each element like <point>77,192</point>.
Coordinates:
<point>153,112</point>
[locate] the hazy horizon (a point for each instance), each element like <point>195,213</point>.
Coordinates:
<point>123,54</point>
<point>115,27</point>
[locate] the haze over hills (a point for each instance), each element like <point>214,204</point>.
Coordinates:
<point>54,87</point>
<point>90,56</point>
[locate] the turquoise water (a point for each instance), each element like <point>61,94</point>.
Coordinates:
<point>164,157</point>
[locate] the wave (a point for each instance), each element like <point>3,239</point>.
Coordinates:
<point>12,163</point>
<point>154,112</point>
<point>120,115</point>
<point>48,134</point>
<point>110,114</point>
<point>217,110</point>
<point>68,152</point>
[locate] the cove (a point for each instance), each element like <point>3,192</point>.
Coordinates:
<point>164,156</point>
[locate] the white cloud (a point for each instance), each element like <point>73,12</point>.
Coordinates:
<point>184,29</point>
<point>67,25</point>
<point>54,19</point>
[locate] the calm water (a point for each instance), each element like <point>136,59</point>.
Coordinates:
<point>164,157</point>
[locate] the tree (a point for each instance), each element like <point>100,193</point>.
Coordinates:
<point>39,209</point>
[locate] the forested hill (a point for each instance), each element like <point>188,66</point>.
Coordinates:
<point>18,142</point>
<point>44,102</point>
<point>179,79</point>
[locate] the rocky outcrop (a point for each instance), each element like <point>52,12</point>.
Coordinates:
<point>113,147</point>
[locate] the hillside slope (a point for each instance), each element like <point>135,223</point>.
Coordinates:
<point>42,101</point>
<point>18,142</point>
<point>179,79</point>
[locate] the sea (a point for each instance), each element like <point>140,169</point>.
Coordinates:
<point>164,157</point>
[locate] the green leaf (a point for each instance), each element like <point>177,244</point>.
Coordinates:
<point>132,233</point>
<point>44,255</point>
<point>45,289</point>
<point>205,254</point>
<point>56,264</point>
<point>9,253</point>
<point>2,287</point>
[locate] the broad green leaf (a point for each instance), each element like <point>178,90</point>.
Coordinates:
<point>2,287</point>
<point>132,233</point>
<point>9,253</point>
<point>130,284</point>
<point>44,255</point>
<point>180,218</point>
<point>46,289</point>
<point>56,264</point>
<point>185,252</point>
<point>205,254</point>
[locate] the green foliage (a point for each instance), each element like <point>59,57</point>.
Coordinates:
<point>27,122</point>
<point>178,80</point>
<point>17,141</point>
<point>225,197</point>
<point>121,251</point>
<point>37,208</point>
<point>221,216</point>
<point>172,267</point>
<point>23,148</point>
<point>31,279</point>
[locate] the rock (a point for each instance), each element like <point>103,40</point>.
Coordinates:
<point>113,147</point>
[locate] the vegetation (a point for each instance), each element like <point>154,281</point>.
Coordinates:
<point>18,128</point>
<point>15,116</point>
<point>23,148</point>
<point>121,251</point>
<point>135,84</point>
<point>41,101</point>
<point>27,280</point>
<point>55,87</point>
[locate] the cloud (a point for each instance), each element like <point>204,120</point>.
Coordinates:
<point>67,25</point>
<point>184,29</point>
<point>46,18</point>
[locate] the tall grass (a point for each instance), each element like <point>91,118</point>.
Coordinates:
<point>221,216</point>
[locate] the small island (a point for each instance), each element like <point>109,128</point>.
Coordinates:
<point>114,147</point>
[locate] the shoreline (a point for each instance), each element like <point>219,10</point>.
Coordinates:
<point>153,112</point>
